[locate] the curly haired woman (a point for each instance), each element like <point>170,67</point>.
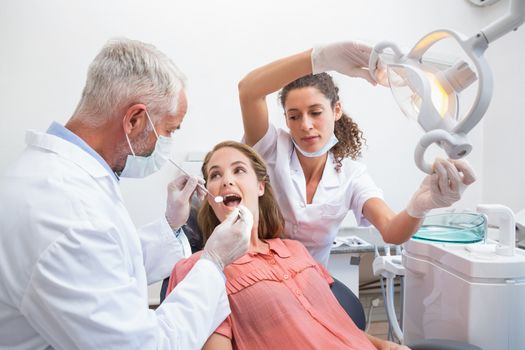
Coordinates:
<point>313,166</point>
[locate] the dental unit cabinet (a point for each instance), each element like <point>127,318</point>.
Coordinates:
<point>469,292</point>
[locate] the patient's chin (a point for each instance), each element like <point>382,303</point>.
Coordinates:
<point>222,214</point>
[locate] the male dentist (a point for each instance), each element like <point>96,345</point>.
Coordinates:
<point>73,268</point>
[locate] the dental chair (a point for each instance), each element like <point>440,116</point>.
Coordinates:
<point>350,303</point>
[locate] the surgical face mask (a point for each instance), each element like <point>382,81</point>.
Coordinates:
<point>331,143</point>
<point>142,166</point>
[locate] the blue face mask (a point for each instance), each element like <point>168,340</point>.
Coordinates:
<point>142,166</point>
<point>327,147</point>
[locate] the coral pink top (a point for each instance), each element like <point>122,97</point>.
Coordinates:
<point>281,300</point>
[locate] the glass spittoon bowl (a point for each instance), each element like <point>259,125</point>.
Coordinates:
<point>452,228</point>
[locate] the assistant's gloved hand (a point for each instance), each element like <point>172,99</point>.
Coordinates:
<point>441,189</point>
<point>230,240</point>
<point>178,204</point>
<point>348,57</point>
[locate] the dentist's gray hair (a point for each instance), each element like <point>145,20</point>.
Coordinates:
<point>126,72</point>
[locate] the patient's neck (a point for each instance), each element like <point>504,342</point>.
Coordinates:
<point>259,247</point>
<point>256,244</point>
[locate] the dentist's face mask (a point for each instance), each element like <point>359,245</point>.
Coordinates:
<point>328,145</point>
<point>142,166</point>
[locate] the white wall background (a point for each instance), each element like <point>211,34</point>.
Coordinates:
<point>46,47</point>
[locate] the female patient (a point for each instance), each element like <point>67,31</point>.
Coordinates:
<point>279,296</point>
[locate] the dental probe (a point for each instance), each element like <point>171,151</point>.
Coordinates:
<point>217,199</point>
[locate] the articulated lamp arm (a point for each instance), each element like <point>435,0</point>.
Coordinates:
<point>449,135</point>
<point>514,18</point>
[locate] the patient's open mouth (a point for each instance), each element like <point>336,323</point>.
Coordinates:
<point>231,200</point>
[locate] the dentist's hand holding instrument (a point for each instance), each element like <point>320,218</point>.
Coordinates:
<point>230,240</point>
<point>217,199</point>
<point>180,191</point>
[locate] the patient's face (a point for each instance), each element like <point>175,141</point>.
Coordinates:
<point>231,175</point>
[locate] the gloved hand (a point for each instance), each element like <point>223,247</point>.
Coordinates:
<point>349,58</point>
<point>441,189</point>
<point>230,240</point>
<point>178,204</point>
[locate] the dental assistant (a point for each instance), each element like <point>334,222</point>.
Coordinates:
<point>313,166</point>
<point>74,269</point>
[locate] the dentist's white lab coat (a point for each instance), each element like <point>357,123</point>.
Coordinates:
<point>74,270</point>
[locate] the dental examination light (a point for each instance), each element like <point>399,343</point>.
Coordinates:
<point>429,92</point>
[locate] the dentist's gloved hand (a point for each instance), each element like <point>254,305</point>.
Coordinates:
<point>178,204</point>
<point>349,58</point>
<point>441,189</point>
<point>230,240</point>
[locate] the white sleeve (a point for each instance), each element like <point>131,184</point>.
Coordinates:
<point>85,294</point>
<point>161,249</point>
<point>207,310</point>
<point>267,145</point>
<point>363,188</point>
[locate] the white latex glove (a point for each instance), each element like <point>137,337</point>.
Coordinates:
<point>349,58</point>
<point>178,204</point>
<point>441,189</point>
<point>230,240</point>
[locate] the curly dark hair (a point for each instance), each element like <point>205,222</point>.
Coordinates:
<point>350,137</point>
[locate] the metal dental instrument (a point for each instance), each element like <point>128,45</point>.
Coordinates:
<point>217,199</point>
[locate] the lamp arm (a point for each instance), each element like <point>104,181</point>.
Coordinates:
<point>511,21</point>
<point>455,145</point>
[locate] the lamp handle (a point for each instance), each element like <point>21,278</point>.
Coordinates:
<point>455,145</point>
<point>374,57</point>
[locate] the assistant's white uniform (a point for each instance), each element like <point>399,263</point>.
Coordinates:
<point>315,224</point>
<point>74,270</point>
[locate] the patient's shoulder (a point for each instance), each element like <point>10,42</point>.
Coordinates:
<point>183,266</point>
<point>295,247</point>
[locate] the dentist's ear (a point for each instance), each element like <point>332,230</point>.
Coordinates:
<point>135,119</point>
